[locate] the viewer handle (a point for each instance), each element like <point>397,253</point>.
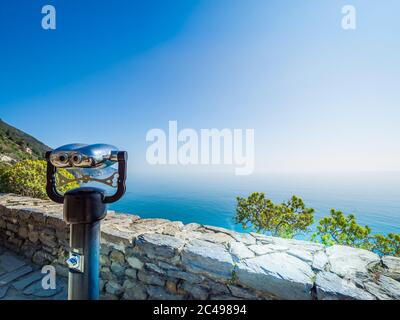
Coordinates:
<point>121,187</point>
<point>51,181</point>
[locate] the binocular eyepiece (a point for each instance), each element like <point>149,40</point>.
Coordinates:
<point>95,156</point>
<point>84,156</point>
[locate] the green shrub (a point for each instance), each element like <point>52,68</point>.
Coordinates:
<point>344,230</point>
<point>292,217</point>
<point>387,245</point>
<point>341,229</point>
<point>28,178</point>
<point>285,219</point>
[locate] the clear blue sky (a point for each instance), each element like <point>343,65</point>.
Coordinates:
<point>319,98</point>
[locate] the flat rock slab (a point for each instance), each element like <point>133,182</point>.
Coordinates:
<point>208,258</point>
<point>392,265</point>
<point>278,274</point>
<point>36,289</point>
<point>159,245</point>
<point>3,291</point>
<point>332,287</point>
<point>240,251</point>
<point>22,283</point>
<point>9,262</point>
<point>384,288</point>
<point>11,276</point>
<point>348,262</point>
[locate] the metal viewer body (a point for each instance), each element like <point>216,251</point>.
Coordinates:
<point>83,210</point>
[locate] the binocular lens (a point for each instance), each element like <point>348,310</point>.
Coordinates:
<point>63,158</point>
<point>76,159</point>
<point>84,156</point>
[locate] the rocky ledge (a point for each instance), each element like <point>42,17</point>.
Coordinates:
<point>162,259</point>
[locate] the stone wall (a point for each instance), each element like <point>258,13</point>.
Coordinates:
<point>161,259</point>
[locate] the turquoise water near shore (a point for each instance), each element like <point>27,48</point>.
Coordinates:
<point>374,197</point>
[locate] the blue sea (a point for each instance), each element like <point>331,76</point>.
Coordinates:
<point>374,197</point>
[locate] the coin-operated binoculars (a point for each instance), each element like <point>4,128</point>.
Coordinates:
<point>85,207</point>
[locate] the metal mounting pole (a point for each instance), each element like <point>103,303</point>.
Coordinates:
<point>83,210</point>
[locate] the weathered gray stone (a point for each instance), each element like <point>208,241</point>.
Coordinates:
<point>13,275</point>
<point>134,262</point>
<point>392,265</point>
<point>288,243</point>
<point>223,297</point>
<point>131,273</point>
<point>23,232</point>
<point>117,269</point>
<point>102,285</point>
<point>208,258</point>
<point>142,226</point>
<point>320,261</point>
<point>105,261</point>
<point>113,234</point>
<point>38,216</point>
<point>384,288</point>
<point>172,228</point>
<point>36,289</point>
<point>242,293</point>
<point>159,293</point>
<point>197,292</point>
<point>261,249</point>
<point>33,236</point>
<point>28,249</point>
<point>189,277</point>
<point>346,261</point>
<point>15,243</point>
<point>278,274</point>
<point>62,270</point>
<point>171,286</point>
<point>106,274</point>
<point>105,249</point>
<point>245,238</point>
<point>50,250</point>
<point>9,262</point>
<point>41,258</point>
<point>13,227</point>
<point>56,221</point>
<point>134,290</point>
<point>331,287</point>
<point>214,237</point>
<point>3,291</point>
<point>27,280</point>
<point>114,288</point>
<point>108,296</point>
<point>216,287</point>
<point>302,254</point>
<point>48,231</point>
<point>240,251</point>
<point>191,227</point>
<point>62,235</point>
<point>154,268</point>
<point>159,245</point>
<point>150,278</point>
<point>117,256</point>
<point>63,295</point>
